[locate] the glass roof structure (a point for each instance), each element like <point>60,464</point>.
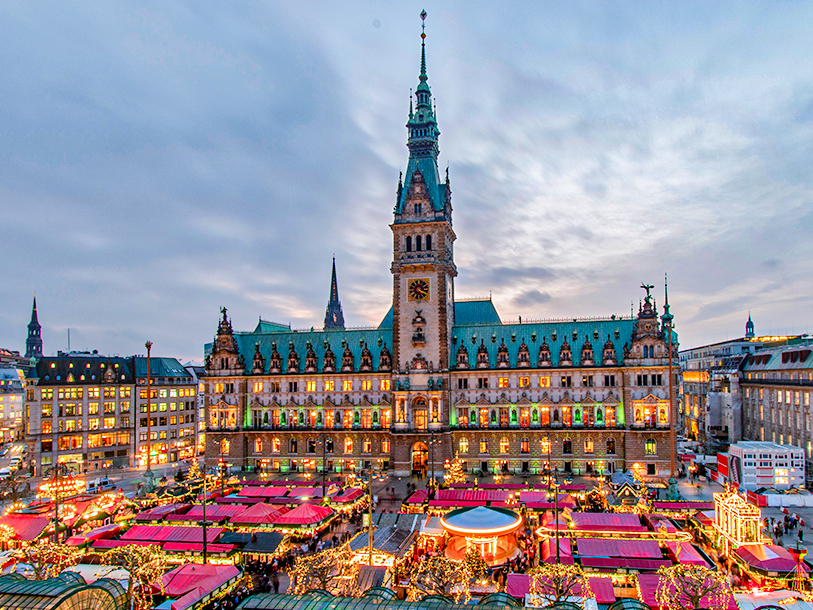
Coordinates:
<point>66,592</point>
<point>374,599</point>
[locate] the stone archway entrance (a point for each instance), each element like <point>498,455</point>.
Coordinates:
<point>420,457</point>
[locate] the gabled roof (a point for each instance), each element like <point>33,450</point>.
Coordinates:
<point>159,367</point>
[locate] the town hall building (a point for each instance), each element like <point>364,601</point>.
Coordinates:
<point>441,376</point>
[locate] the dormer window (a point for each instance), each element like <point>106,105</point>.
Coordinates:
<point>418,210</point>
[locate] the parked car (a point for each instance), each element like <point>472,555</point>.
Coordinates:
<point>99,485</point>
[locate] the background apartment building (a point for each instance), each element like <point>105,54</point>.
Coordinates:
<point>87,410</point>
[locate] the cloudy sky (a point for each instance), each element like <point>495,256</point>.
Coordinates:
<point>159,160</point>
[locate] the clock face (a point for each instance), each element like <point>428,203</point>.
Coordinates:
<point>419,290</point>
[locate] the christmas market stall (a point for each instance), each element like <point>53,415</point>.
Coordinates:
<point>193,586</point>
<point>653,588</point>
<point>391,546</point>
<point>257,516</point>
<point>608,555</point>
<point>489,530</point>
<point>601,588</point>
<point>304,521</point>
<point>769,565</point>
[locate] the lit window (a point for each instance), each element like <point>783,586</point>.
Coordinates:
<point>109,422</point>
<point>348,445</point>
<point>503,382</point>
<point>367,446</point>
<point>464,445</point>
<point>366,385</point>
<point>385,385</point>
<point>588,446</point>
<point>504,445</point>
<point>650,447</point>
<point>275,445</point>
<point>347,385</point>
<point>258,445</point>
<point>525,382</point>
<point>524,446</point>
<point>330,385</point>
<point>258,387</point>
<point>544,382</point>
<point>483,445</point>
<point>225,446</point>
<point>385,446</point>
<point>310,386</point>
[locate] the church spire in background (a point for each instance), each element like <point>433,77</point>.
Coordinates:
<point>333,316</point>
<point>749,328</point>
<point>33,344</point>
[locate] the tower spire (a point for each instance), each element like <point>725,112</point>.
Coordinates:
<point>334,318</point>
<point>33,344</point>
<point>422,141</point>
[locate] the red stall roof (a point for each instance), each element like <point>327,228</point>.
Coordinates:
<point>630,549</point>
<point>768,557</point>
<point>196,547</point>
<point>417,498</point>
<point>683,505</point>
<point>27,527</point>
<point>304,514</point>
<point>169,533</point>
<point>472,495</point>
<point>214,512</point>
<point>159,512</point>
<point>260,513</point>
<point>112,544</point>
<point>687,553</point>
<point>519,585</point>
<point>349,495</point>
<point>619,522</point>
<point>648,585</point>
<point>106,531</point>
<point>549,551</point>
<point>262,492</point>
<point>188,577</point>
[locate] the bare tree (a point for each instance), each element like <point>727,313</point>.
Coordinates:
<point>48,559</point>
<point>145,564</point>
<point>553,582</point>
<point>691,587</point>
<point>332,570</point>
<point>439,575</point>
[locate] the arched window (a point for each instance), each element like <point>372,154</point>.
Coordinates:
<point>556,415</point>
<point>292,446</point>
<point>275,445</point>
<point>483,445</point>
<point>409,243</point>
<point>464,445</point>
<point>610,445</point>
<point>650,447</point>
<point>567,446</point>
<point>348,445</point>
<point>258,445</point>
<point>504,445</point>
<point>226,445</point>
<point>418,243</point>
<point>428,242</point>
<point>534,416</point>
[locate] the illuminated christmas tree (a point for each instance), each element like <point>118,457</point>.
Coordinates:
<point>146,565</point>
<point>455,472</point>
<point>475,563</point>
<point>194,471</point>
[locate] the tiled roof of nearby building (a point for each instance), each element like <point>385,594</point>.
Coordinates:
<point>159,367</point>
<point>83,369</point>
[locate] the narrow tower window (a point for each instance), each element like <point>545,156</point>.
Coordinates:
<point>409,243</point>
<point>417,208</point>
<point>418,243</point>
<point>428,242</point>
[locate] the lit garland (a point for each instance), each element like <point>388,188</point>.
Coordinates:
<point>455,472</point>
<point>59,488</point>
<point>686,586</point>
<point>553,582</point>
<point>12,508</point>
<point>47,559</point>
<point>7,533</point>
<point>332,570</point>
<point>439,575</point>
<point>146,565</point>
<point>194,471</point>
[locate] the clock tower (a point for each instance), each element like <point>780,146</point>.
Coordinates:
<point>423,272</point>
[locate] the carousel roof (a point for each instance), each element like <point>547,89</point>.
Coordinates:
<point>480,520</point>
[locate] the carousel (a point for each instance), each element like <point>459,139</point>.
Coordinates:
<point>488,530</point>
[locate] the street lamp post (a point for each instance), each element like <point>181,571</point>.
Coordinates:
<point>204,523</point>
<point>149,474</point>
<point>59,488</point>
<point>324,462</point>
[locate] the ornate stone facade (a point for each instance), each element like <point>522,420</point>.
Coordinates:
<point>441,375</point>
